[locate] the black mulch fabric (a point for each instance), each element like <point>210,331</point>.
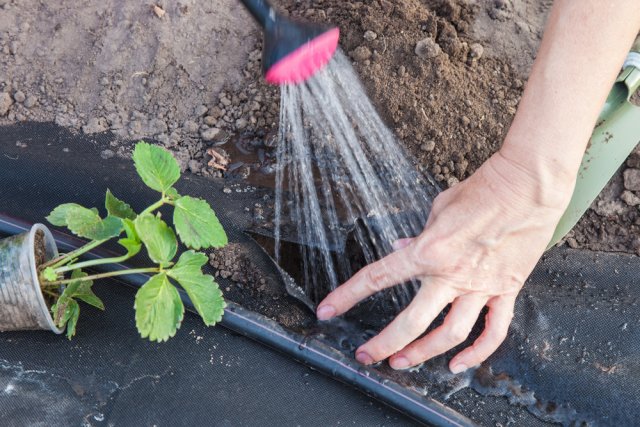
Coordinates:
<point>571,357</point>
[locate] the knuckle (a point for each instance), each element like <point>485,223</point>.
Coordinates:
<point>514,283</point>
<point>425,255</point>
<point>374,278</point>
<point>434,250</point>
<point>457,334</point>
<point>417,258</point>
<point>509,319</point>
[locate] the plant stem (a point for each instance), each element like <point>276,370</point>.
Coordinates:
<point>66,258</point>
<point>50,293</point>
<point>91,263</point>
<point>104,275</point>
<point>155,206</point>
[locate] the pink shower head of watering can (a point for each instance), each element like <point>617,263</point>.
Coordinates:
<point>293,51</point>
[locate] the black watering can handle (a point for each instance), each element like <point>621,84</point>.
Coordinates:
<point>261,10</point>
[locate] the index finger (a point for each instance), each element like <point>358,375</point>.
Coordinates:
<point>395,268</point>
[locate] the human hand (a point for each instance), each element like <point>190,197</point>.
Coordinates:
<point>482,240</point>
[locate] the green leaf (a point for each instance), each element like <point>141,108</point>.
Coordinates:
<point>73,310</point>
<point>159,310</point>
<point>156,166</point>
<point>49,274</point>
<point>197,224</point>
<point>132,246</point>
<point>130,229</point>
<point>58,216</point>
<point>158,237</point>
<point>190,263</point>
<point>59,309</point>
<point>117,207</point>
<point>173,194</point>
<point>81,289</point>
<point>86,295</point>
<point>132,243</point>
<point>85,222</point>
<point>202,289</point>
<point>65,312</point>
<point>88,224</point>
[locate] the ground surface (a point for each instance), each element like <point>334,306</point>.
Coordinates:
<point>187,74</point>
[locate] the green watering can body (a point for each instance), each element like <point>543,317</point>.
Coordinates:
<point>616,134</point>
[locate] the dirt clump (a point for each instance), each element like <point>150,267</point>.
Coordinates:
<point>247,283</point>
<point>231,263</point>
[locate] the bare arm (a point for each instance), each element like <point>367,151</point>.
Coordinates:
<point>584,46</point>
<point>485,235</point>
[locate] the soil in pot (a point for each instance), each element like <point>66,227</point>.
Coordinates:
<point>40,257</point>
<point>39,249</point>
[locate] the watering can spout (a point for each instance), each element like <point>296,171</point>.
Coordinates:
<point>292,51</point>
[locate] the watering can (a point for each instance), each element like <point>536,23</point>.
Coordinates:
<point>616,134</point>
<point>292,51</point>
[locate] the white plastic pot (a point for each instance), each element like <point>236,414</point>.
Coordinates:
<point>22,305</point>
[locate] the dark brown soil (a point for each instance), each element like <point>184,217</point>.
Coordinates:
<point>446,75</point>
<point>40,254</point>
<point>254,287</point>
<point>452,110</point>
<point>39,249</point>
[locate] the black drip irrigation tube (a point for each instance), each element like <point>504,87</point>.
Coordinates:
<point>308,351</point>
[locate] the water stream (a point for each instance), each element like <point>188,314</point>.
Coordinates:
<point>341,177</point>
<point>338,165</point>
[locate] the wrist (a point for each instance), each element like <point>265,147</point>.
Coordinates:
<point>538,180</point>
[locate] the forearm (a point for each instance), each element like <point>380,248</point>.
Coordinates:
<point>584,45</point>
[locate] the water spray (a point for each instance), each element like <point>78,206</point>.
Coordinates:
<point>293,51</point>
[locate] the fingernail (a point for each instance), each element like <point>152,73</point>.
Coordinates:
<point>326,312</point>
<point>460,367</point>
<point>399,362</point>
<point>364,358</point>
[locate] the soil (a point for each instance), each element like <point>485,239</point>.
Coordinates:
<point>39,250</point>
<point>257,290</point>
<point>446,75</point>
<point>40,256</point>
